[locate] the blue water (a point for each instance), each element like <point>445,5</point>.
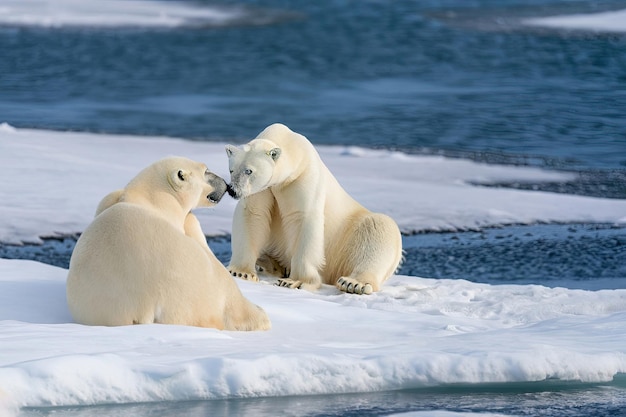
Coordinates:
<point>458,76</point>
<point>461,78</point>
<point>577,256</point>
<point>551,398</point>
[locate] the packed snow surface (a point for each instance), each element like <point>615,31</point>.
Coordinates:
<point>112,13</point>
<point>55,181</point>
<point>416,332</point>
<point>612,21</point>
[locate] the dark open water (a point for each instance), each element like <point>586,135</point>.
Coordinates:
<point>421,75</point>
<point>550,398</point>
<point>456,77</point>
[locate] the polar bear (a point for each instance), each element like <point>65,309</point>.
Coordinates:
<point>144,258</point>
<point>295,220</point>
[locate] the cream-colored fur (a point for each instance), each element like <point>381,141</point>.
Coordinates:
<point>144,258</point>
<point>295,220</point>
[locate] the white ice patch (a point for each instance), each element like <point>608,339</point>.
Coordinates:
<point>416,332</point>
<point>112,13</point>
<point>52,183</point>
<point>612,21</point>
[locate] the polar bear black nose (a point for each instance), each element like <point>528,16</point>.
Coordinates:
<point>231,192</point>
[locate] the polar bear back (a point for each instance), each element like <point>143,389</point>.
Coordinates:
<point>133,266</point>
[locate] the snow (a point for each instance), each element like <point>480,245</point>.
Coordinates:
<point>612,21</point>
<point>416,332</point>
<point>420,192</point>
<point>112,13</point>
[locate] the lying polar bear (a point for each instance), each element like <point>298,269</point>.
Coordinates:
<point>295,220</point>
<point>144,258</point>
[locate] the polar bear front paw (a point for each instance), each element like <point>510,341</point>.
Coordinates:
<point>353,286</point>
<point>247,276</point>
<point>289,283</point>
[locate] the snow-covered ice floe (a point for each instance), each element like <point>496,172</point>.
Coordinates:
<point>611,21</point>
<point>114,13</point>
<point>416,332</point>
<point>56,179</point>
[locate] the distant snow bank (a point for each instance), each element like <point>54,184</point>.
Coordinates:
<point>613,21</point>
<point>54,181</point>
<point>112,13</point>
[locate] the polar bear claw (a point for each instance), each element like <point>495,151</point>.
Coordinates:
<point>246,276</point>
<point>289,283</point>
<point>353,286</point>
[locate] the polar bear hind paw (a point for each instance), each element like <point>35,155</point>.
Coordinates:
<point>247,276</point>
<point>289,283</point>
<point>353,286</point>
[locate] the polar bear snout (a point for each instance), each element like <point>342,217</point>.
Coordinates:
<point>215,196</point>
<point>219,188</point>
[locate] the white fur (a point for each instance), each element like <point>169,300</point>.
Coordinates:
<point>295,220</point>
<point>144,258</point>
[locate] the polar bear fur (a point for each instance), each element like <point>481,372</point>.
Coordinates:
<point>295,220</point>
<point>144,258</point>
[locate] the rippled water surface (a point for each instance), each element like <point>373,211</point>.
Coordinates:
<point>423,76</point>
<point>549,398</point>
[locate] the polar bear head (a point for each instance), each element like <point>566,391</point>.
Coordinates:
<point>190,182</point>
<point>252,167</point>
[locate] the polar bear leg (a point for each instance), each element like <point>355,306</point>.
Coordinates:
<point>253,319</point>
<point>307,259</point>
<point>242,314</point>
<point>251,234</point>
<point>375,252</point>
<point>194,231</point>
<point>270,265</point>
<point>108,200</point>
<point>297,284</point>
<point>356,286</point>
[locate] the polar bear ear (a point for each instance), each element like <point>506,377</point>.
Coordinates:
<point>177,177</point>
<point>274,153</point>
<point>231,150</point>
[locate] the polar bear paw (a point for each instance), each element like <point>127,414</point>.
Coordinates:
<point>247,276</point>
<point>353,286</point>
<point>289,283</point>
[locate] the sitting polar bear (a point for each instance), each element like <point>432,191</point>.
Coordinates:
<point>144,258</point>
<point>295,219</point>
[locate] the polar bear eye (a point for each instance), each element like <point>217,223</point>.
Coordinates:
<point>181,176</point>
<point>248,171</point>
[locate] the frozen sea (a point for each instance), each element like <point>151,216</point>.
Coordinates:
<point>492,131</point>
